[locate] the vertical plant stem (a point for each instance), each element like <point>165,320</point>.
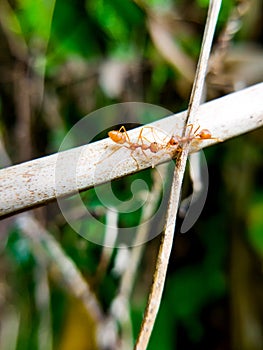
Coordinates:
<point>167,238</point>
<point>159,277</point>
<point>198,85</point>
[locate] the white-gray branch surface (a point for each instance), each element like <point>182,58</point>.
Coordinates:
<point>39,181</point>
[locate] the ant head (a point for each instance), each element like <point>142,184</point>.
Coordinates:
<point>173,141</point>
<point>204,134</point>
<point>117,136</point>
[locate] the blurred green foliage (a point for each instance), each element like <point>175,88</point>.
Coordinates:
<point>66,44</point>
<point>255,223</point>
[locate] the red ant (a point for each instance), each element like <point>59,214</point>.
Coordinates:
<point>204,134</point>
<point>175,142</point>
<point>121,136</point>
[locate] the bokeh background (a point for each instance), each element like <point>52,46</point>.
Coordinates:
<point>61,60</point>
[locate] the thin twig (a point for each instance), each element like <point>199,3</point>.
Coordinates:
<point>10,326</point>
<point>162,261</point>
<point>66,269</point>
<point>68,274</point>
<point>232,26</point>
<point>167,238</point>
<point>169,49</point>
<point>111,234</point>
<point>120,307</point>
<point>127,281</point>
<point>196,95</point>
<point>42,301</point>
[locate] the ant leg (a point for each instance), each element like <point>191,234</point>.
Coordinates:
<point>109,155</point>
<point>140,135</point>
<point>125,132</point>
<point>158,143</point>
<point>196,130</point>
<point>143,145</point>
<point>153,146</point>
<point>155,134</point>
<point>137,164</point>
<point>191,128</point>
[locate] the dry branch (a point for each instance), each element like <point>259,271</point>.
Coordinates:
<point>33,183</point>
